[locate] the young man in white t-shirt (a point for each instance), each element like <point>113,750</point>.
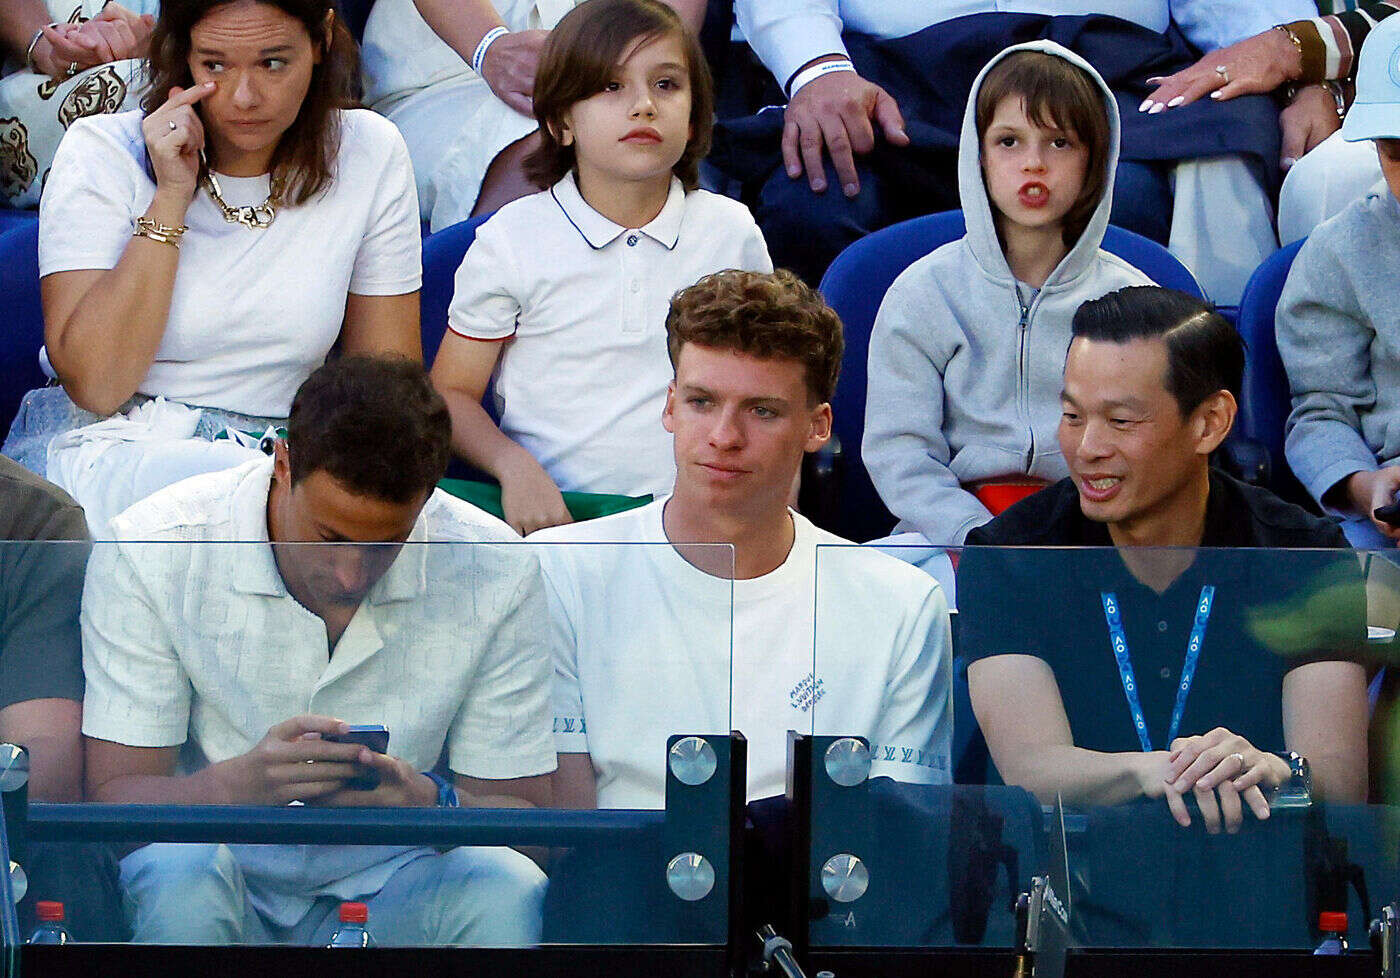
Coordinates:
<point>742,613</point>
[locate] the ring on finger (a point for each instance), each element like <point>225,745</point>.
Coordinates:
<point>72,69</point>
<point>1224,74</point>
<point>173,127</point>
<point>1243,765</point>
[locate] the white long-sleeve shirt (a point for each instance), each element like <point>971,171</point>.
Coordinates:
<point>786,34</point>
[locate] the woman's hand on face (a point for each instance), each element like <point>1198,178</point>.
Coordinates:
<point>509,68</point>
<point>174,136</point>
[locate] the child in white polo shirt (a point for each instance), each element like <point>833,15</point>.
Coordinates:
<point>568,288</point>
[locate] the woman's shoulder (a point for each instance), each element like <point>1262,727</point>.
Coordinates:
<point>367,134</point>
<point>118,130</point>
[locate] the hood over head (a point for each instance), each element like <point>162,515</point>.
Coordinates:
<point>976,206</point>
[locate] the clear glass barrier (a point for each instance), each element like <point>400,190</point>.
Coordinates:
<point>213,676</point>
<point>1094,672</point>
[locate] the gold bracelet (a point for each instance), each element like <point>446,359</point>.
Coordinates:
<point>164,233</point>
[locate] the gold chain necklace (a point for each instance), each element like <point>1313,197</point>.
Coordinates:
<point>255,216</point>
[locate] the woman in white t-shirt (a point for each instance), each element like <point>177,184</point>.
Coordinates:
<point>210,250</point>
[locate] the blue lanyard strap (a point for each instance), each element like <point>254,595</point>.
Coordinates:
<point>1119,640</point>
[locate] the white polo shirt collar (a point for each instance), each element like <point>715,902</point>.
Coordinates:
<point>257,572</point>
<point>599,232</point>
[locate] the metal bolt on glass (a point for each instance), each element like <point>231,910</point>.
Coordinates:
<point>848,762</point>
<point>845,878</point>
<point>19,881</point>
<point>14,767</point>
<point>690,876</point>
<point>693,761</point>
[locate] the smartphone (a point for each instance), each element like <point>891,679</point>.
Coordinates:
<point>371,735</point>
<point>1389,514</point>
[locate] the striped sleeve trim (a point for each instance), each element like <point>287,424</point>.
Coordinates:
<point>1341,34</point>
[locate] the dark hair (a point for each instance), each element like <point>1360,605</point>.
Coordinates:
<point>1204,352</point>
<point>374,424</point>
<point>580,58</point>
<point>305,156</point>
<point>1059,95</point>
<point>763,315</point>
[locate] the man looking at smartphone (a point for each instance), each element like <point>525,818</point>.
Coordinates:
<point>217,673</point>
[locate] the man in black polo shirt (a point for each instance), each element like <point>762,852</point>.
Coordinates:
<point>1114,674</point>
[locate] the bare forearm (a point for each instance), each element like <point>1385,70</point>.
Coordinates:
<point>460,23</point>
<point>475,436</point>
<point>202,788</point>
<point>105,346</point>
<point>1079,776</point>
<point>19,19</point>
<point>55,769</point>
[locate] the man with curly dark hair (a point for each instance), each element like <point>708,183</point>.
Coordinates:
<point>242,619</point>
<point>655,640</point>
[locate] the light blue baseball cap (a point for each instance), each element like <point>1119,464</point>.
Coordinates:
<point>1376,112</point>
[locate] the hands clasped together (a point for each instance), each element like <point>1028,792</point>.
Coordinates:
<point>1223,771</point>
<point>62,50</point>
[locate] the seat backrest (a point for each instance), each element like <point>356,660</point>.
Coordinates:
<point>442,254</point>
<point>356,13</point>
<point>22,334</point>
<point>1264,400</point>
<point>855,284</point>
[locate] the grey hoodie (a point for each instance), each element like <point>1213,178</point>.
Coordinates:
<point>1338,328</point>
<point>965,371</point>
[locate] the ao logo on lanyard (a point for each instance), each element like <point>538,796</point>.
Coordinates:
<point>1119,640</point>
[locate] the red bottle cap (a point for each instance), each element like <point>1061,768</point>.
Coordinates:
<point>49,910</point>
<point>358,913</point>
<point>1332,922</point>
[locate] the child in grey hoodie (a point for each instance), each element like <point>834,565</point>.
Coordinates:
<point>969,344</point>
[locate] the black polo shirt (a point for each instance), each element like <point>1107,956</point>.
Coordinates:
<point>1271,612</point>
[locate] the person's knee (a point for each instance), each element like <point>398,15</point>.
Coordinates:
<point>184,894</point>
<point>491,897</point>
<point>1142,199</point>
<point>806,230</point>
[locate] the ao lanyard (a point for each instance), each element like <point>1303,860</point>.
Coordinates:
<point>1119,641</point>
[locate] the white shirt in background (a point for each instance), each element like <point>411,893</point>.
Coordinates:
<point>581,304</point>
<point>253,312</point>
<point>786,34</point>
<point>838,639</point>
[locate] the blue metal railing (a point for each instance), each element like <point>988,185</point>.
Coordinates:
<point>340,826</point>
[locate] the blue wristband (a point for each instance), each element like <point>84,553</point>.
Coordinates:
<point>447,792</point>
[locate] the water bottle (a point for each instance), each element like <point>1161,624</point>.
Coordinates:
<point>352,932</point>
<point>1334,932</point>
<point>50,929</point>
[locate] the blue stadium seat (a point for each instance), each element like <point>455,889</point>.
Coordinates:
<point>11,219</point>
<point>356,13</point>
<point>23,331</point>
<point>442,253</point>
<point>856,283</point>
<point>1264,404</point>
